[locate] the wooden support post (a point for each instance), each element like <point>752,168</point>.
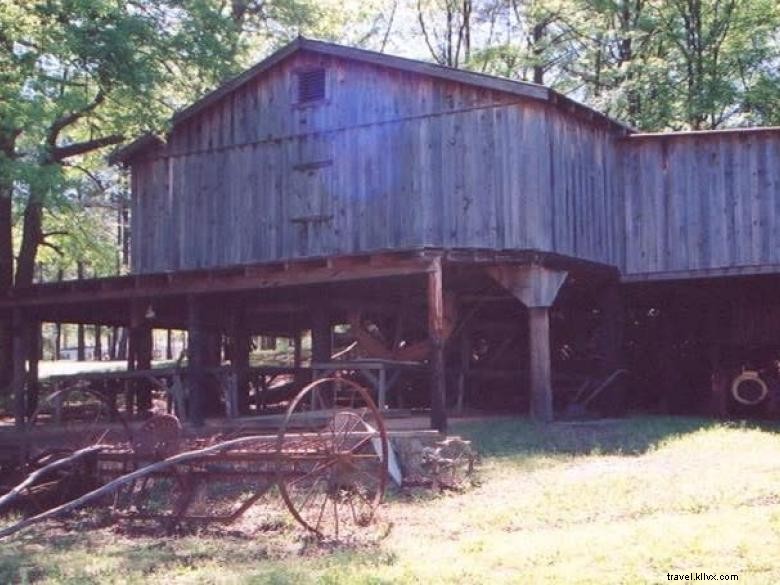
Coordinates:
<point>321,335</point>
<point>144,362</point>
<point>300,376</point>
<point>131,339</point>
<point>297,350</point>
<point>212,360</point>
<point>97,354</point>
<point>141,355</point>
<point>536,287</point>
<point>465,364</point>
<point>19,367</point>
<point>239,358</point>
<point>33,357</point>
<point>540,370</point>
<point>436,336</point>
<point>196,342</point>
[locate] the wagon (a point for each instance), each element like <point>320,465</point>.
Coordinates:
<point>328,462</point>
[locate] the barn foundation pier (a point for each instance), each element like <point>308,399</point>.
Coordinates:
<point>436,333</point>
<point>240,347</point>
<point>537,288</point>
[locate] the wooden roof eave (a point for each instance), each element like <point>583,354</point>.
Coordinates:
<point>280,275</point>
<point>140,145</point>
<point>715,133</point>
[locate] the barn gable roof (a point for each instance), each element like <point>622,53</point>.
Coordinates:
<point>502,84</point>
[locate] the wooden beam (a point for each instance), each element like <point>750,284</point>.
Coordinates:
<point>33,357</point>
<point>19,367</point>
<point>240,346</point>
<point>241,278</point>
<point>436,327</point>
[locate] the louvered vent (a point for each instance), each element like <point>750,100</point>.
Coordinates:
<point>311,86</point>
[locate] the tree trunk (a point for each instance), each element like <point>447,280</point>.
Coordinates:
<point>6,280</point>
<point>539,31</point>
<point>31,238</point>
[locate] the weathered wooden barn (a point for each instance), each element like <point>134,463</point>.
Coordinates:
<point>494,234</point>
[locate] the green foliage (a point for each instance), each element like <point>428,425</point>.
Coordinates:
<point>658,64</point>
<point>77,76</point>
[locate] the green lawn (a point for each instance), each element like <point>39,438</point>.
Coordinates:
<point>604,502</point>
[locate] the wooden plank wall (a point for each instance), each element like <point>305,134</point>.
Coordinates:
<point>391,160</point>
<point>696,202</point>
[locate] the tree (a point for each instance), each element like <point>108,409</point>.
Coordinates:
<point>446,28</point>
<point>721,50</point>
<point>77,76</point>
<point>678,64</point>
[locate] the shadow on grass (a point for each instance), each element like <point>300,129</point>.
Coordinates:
<point>519,437</point>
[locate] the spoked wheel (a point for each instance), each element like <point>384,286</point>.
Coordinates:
<point>71,419</point>
<point>81,417</point>
<point>163,498</point>
<point>66,421</point>
<point>332,464</point>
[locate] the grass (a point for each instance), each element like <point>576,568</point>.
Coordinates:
<point>604,502</point>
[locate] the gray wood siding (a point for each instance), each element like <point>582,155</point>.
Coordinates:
<point>357,94</point>
<point>702,202</point>
<point>390,161</point>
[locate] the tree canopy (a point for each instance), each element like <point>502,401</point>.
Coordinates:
<point>80,76</point>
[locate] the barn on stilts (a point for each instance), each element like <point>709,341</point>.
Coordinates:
<point>481,243</point>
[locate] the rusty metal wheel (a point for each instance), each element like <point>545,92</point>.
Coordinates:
<point>161,495</point>
<point>77,417</point>
<point>332,458</point>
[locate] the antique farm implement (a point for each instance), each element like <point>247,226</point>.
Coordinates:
<point>328,461</point>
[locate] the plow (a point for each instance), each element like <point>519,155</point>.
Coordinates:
<point>328,463</point>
